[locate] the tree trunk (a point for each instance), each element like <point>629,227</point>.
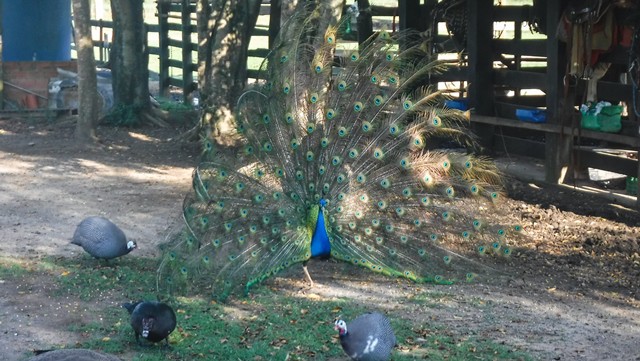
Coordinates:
<point>87,84</point>
<point>129,62</point>
<point>224,31</point>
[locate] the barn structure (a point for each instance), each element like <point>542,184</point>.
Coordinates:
<point>526,71</point>
<point>524,68</point>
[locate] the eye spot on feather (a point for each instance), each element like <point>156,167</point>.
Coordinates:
<point>330,114</point>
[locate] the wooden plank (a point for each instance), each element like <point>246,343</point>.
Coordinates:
<point>590,157</point>
<point>534,47</point>
<point>614,92</point>
<point>176,43</point>
<point>260,31</point>
<point>480,34</point>
<point>516,145</point>
<point>163,41</point>
<point>275,16</point>
<point>554,128</point>
<point>557,144</point>
<point>104,23</point>
<point>520,79</point>
<point>365,22</point>
<point>534,101</point>
<point>409,13</point>
<point>187,57</point>
<point>255,74</point>
<point>258,53</point>
<point>512,13</point>
<point>180,27</point>
<point>377,10</point>
<point>480,65</point>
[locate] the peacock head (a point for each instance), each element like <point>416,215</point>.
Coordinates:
<point>341,327</point>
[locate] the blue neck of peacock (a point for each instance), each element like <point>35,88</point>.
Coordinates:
<point>320,245</point>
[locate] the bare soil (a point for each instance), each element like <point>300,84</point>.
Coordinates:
<point>573,291</point>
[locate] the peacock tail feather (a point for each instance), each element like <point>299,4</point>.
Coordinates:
<point>338,161</point>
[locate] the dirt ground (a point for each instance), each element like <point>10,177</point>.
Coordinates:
<point>573,292</point>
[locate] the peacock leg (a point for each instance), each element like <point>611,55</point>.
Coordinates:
<point>306,272</point>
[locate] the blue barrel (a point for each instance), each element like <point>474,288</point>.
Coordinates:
<point>36,30</point>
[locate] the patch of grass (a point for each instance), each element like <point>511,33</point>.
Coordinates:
<point>88,279</point>
<point>11,268</point>
<point>267,325</point>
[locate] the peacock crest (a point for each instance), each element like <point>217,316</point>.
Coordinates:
<point>341,162</point>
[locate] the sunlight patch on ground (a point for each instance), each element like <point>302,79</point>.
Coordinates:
<point>142,137</point>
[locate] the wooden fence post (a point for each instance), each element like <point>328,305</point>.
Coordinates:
<point>187,59</point>
<point>163,42</point>
<point>275,15</point>
<point>557,146</point>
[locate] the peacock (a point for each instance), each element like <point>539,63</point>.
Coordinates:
<point>342,157</point>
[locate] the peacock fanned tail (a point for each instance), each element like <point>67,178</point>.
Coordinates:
<point>339,161</point>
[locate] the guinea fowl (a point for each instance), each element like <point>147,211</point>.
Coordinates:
<point>152,320</point>
<point>101,238</point>
<point>367,338</point>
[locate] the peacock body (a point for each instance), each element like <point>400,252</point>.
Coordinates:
<point>337,162</point>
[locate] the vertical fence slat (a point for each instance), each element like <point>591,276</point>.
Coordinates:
<point>163,42</point>
<point>187,59</point>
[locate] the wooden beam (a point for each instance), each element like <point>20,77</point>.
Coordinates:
<point>479,39</point>
<point>163,45</point>
<point>555,128</point>
<point>365,21</point>
<point>187,58</point>
<point>275,16</point>
<point>520,79</point>
<point>558,144</point>
<point>614,92</point>
<point>409,13</point>
<point>534,47</point>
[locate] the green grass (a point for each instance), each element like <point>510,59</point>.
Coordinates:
<point>267,325</point>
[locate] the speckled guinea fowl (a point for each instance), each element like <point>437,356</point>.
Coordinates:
<point>152,320</point>
<point>101,238</point>
<point>369,337</point>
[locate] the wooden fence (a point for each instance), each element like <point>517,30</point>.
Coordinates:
<point>173,39</point>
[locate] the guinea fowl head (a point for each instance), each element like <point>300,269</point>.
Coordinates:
<point>147,325</point>
<point>341,327</point>
<point>131,245</point>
